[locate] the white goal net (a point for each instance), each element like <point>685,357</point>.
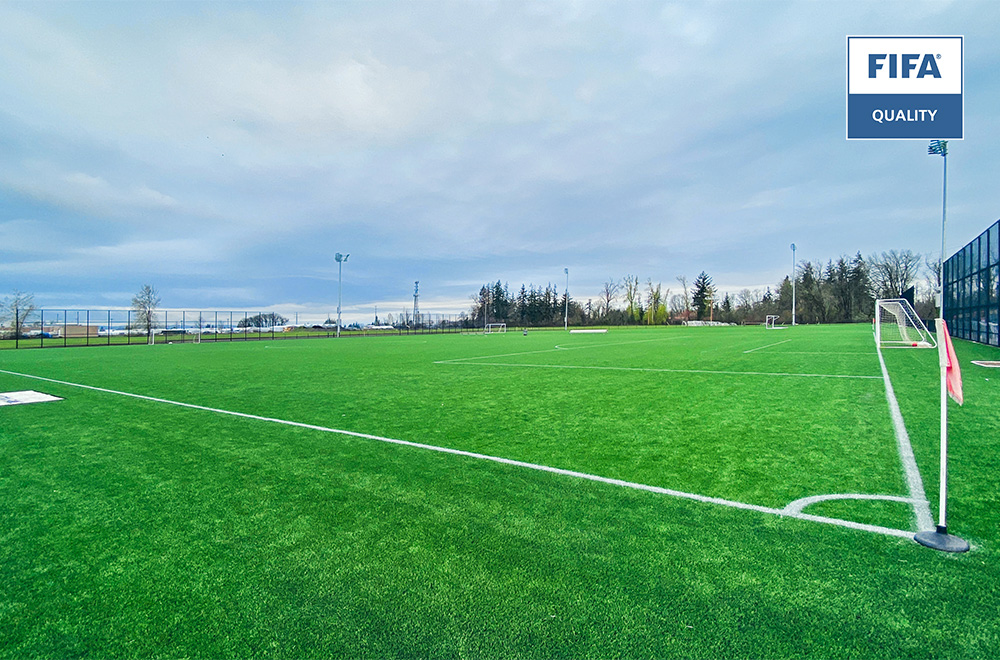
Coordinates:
<point>898,326</point>
<point>493,328</point>
<point>771,322</point>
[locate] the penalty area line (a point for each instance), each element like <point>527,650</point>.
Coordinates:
<point>525,365</point>
<point>768,346</point>
<point>462,360</point>
<point>875,529</point>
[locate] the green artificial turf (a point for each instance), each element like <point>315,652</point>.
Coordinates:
<point>133,528</point>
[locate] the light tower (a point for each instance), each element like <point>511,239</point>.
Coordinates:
<point>793,283</point>
<point>416,303</point>
<point>341,258</point>
<point>940,148</point>
<point>566,313</point>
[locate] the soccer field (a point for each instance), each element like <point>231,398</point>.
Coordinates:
<point>667,492</point>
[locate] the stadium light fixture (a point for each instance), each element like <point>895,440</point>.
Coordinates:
<point>341,258</point>
<point>793,283</point>
<point>566,313</point>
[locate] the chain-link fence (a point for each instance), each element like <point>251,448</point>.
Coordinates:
<point>51,328</point>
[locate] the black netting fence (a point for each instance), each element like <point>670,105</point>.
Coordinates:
<point>971,295</point>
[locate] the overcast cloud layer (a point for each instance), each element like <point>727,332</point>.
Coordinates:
<point>223,152</point>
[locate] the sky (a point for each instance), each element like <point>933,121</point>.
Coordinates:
<point>223,152</point>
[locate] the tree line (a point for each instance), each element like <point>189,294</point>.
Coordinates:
<point>842,290</point>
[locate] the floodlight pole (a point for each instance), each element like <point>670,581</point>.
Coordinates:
<point>944,216</point>
<point>566,313</point>
<point>793,283</point>
<point>341,258</point>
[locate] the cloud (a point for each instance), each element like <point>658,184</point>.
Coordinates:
<point>83,192</point>
<point>348,94</point>
<point>229,150</point>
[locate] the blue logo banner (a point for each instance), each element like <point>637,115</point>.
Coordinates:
<point>904,116</point>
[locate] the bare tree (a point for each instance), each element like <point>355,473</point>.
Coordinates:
<point>16,310</point>
<point>144,304</point>
<point>609,294</point>
<point>676,305</point>
<point>656,311</point>
<point>927,300</point>
<point>632,296</point>
<point>893,272</point>
<point>687,300</point>
<point>263,321</point>
<point>748,304</point>
<point>932,273</point>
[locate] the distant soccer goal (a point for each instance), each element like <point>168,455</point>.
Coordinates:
<point>493,328</point>
<point>771,322</point>
<point>898,326</point>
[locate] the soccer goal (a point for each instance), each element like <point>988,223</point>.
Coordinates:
<point>493,328</point>
<point>771,322</point>
<point>898,326</point>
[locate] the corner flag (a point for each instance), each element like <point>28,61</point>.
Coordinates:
<point>951,383</point>
<point>953,373</point>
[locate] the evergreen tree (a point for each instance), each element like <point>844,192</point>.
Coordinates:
<point>703,292</point>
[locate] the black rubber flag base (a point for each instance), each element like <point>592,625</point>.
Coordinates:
<point>941,540</point>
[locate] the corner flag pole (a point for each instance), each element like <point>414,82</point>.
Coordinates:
<point>940,539</point>
<point>943,494</point>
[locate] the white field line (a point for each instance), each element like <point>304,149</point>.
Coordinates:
<point>557,348</point>
<point>875,529</point>
<point>826,353</point>
<point>921,507</point>
<point>655,370</point>
<point>768,346</point>
<point>798,505</point>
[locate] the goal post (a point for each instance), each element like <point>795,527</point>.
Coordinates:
<point>493,328</point>
<point>898,326</point>
<point>771,322</point>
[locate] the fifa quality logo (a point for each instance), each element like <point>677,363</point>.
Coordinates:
<point>904,88</point>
